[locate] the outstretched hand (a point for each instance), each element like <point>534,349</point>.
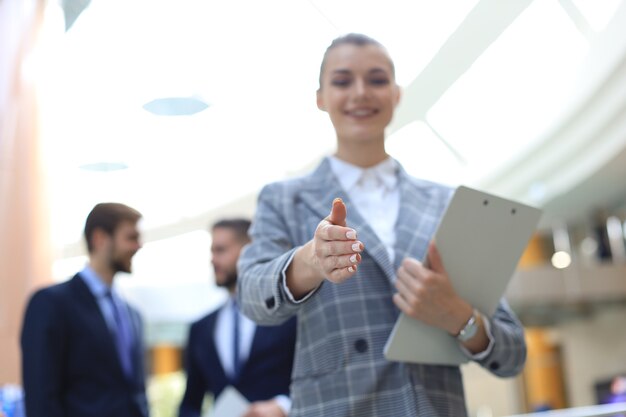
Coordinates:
<point>335,246</point>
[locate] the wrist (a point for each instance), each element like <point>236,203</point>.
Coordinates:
<point>470,328</point>
<point>463,315</point>
<point>301,275</point>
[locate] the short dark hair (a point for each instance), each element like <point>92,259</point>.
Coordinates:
<point>238,225</point>
<point>108,216</point>
<point>357,39</point>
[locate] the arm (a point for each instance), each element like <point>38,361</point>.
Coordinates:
<point>508,356</point>
<point>191,404</point>
<point>44,363</point>
<point>275,274</point>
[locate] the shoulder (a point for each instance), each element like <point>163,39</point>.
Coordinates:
<point>205,322</point>
<point>50,296</point>
<point>48,308</point>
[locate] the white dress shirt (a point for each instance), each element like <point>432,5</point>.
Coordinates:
<point>99,290</point>
<point>223,337</point>
<point>374,193</point>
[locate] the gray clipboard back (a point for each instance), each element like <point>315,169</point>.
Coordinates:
<point>481,238</point>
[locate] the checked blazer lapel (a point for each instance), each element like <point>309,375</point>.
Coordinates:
<point>420,212</point>
<point>318,194</point>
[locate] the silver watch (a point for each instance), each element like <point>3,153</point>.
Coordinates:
<point>469,330</point>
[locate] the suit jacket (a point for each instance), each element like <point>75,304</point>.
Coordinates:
<point>70,364</point>
<point>265,374</point>
<point>340,369</point>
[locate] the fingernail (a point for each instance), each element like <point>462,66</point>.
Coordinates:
<point>337,200</point>
<point>353,258</point>
<point>351,234</point>
<point>351,268</point>
<point>356,247</point>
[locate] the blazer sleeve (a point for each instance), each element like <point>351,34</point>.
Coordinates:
<point>197,386</point>
<point>263,261</point>
<point>508,355</point>
<point>43,340</point>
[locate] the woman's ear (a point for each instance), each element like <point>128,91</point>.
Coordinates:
<point>398,95</point>
<point>320,101</point>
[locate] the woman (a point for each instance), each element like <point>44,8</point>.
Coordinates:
<point>349,275</point>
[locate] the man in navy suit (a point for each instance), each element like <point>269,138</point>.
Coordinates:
<point>82,350</point>
<point>261,368</point>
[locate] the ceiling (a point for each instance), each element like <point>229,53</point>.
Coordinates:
<point>524,99</point>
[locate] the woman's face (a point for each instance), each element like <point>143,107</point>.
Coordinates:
<point>358,92</point>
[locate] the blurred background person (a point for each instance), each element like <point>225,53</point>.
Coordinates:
<point>82,347</point>
<point>226,348</point>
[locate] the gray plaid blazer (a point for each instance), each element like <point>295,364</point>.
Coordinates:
<point>339,367</point>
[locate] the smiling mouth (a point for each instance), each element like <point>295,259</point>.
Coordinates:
<point>361,112</point>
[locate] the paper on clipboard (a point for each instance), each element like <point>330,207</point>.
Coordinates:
<point>480,238</point>
<point>230,403</point>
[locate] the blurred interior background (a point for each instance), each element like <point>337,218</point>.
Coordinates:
<point>184,109</point>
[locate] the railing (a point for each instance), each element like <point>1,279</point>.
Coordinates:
<point>605,410</point>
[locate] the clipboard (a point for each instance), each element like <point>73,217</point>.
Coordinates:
<point>481,238</point>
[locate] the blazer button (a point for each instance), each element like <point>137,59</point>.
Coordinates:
<point>270,302</point>
<point>361,345</point>
<point>494,366</point>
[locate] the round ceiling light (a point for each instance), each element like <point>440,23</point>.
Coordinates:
<point>175,106</point>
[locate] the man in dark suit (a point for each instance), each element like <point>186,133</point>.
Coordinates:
<point>82,351</point>
<point>261,367</point>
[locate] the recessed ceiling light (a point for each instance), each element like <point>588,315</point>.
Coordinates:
<point>175,106</point>
<point>104,166</point>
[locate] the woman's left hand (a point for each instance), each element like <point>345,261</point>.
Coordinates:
<point>426,294</point>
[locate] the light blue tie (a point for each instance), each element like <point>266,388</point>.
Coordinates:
<point>123,335</point>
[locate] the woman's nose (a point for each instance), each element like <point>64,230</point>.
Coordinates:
<point>360,88</point>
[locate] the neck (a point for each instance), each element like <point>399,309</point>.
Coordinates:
<point>362,154</point>
<point>103,271</point>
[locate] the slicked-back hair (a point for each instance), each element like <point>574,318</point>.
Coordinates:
<point>108,216</point>
<point>357,39</point>
<point>238,225</point>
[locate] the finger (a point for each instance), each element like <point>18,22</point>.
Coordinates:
<point>410,287</point>
<point>405,292</point>
<point>413,267</point>
<point>338,212</point>
<point>340,275</point>
<point>434,258</point>
<point>403,305</point>
<point>331,263</point>
<point>327,231</point>
<point>333,248</point>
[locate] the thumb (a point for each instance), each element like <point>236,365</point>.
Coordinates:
<point>434,258</point>
<point>338,212</point>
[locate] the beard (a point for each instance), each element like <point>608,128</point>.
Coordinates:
<point>230,281</point>
<point>119,266</point>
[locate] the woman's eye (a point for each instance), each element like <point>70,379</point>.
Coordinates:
<point>341,82</point>
<point>379,81</point>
